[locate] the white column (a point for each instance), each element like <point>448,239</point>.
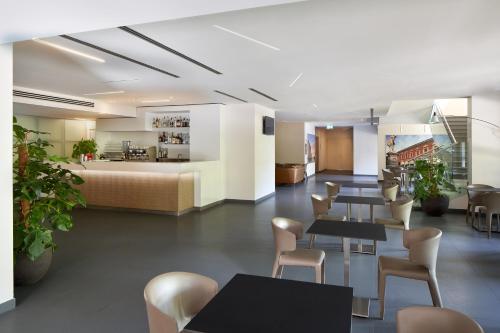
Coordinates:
<point>6,260</point>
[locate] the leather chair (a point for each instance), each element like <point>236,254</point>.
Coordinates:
<point>419,319</point>
<point>475,200</point>
<point>390,193</point>
<point>423,245</point>
<point>286,232</point>
<point>491,206</point>
<point>321,206</point>
<point>401,212</point>
<point>172,299</point>
<point>332,190</point>
<point>389,179</point>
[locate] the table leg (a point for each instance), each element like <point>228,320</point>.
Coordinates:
<point>372,220</point>
<point>360,305</point>
<point>360,219</point>
<point>347,260</point>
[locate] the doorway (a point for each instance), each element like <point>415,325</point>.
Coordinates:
<point>335,150</point>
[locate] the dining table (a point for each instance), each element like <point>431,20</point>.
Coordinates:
<point>250,303</point>
<point>348,230</point>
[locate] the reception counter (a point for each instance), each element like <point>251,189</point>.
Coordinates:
<point>172,188</point>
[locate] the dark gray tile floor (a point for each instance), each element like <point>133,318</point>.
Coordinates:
<point>98,274</point>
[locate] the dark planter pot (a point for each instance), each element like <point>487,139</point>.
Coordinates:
<point>28,272</point>
<point>436,206</point>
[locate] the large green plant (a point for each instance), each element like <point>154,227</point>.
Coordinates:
<point>84,147</point>
<point>431,178</point>
<point>43,194</point>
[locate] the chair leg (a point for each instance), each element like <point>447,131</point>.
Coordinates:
<point>434,290</point>
<point>319,273</point>
<point>467,213</point>
<point>381,293</point>
<point>280,271</point>
<point>311,241</point>
<point>489,217</point>
<point>375,247</point>
<point>323,272</point>
<point>275,268</point>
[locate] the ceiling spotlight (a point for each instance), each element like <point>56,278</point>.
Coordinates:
<point>105,93</point>
<point>246,37</point>
<point>296,79</point>
<point>68,50</point>
<point>315,105</point>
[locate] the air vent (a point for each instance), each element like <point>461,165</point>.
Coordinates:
<point>168,49</point>
<point>225,94</point>
<point>118,55</point>
<point>25,94</point>
<point>262,94</point>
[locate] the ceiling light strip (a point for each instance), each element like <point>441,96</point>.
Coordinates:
<point>262,94</point>
<point>223,93</point>
<point>155,106</point>
<point>168,49</point>
<point>246,37</point>
<point>296,79</point>
<point>68,50</point>
<point>121,56</point>
<point>105,93</point>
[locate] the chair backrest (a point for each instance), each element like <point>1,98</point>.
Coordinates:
<point>401,210</point>
<point>423,245</point>
<point>390,193</point>
<point>429,319</point>
<point>286,232</point>
<point>320,205</point>
<point>476,197</point>
<point>332,189</point>
<point>172,299</point>
<point>492,202</point>
<point>396,171</point>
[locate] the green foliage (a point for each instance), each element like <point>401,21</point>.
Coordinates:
<point>84,147</point>
<point>43,194</point>
<point>431,178</point>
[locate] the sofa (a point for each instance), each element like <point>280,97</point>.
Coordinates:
<point>289,173</point>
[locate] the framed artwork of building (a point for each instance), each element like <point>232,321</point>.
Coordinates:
<point>310,148</point>
<point>405,149</point>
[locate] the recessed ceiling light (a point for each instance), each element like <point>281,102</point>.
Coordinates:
<point>121,81</point>
<point>296,79</point>
<point>315,105</point>
<point>105,93</point>
<point>66,49</point>
<point>246,37</point>
<point>157,100</point>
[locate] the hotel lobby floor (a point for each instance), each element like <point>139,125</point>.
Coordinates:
<point>99,272</point>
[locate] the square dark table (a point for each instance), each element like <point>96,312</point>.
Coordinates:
<point>348,230</point>
<point>361,200</point>
<point>359,185</point>
<point>249,304</point>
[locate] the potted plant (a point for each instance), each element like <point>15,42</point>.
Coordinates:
<point>430,179</point>
<point>44,198</point>
<point>84,149</point>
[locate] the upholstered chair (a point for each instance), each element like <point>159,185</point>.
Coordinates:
<point>390,193</point>
<point>286,232</point>
<point>476,200</point>
<point>389,179</point>
<point>491,206</point>
<point>332,190</point>
<point>401,212</point>
<point>423,245</point>
<point>321,209</point>
<point>420,319</point>
<point>172,299</point>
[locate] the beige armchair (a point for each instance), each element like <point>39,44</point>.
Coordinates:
<point>172,299</point>
<point>332,190</point>
<point>286,232</point>
<point>419,319</point>
<point>390,193</point>
<point>423,245</point>
<point>476,200</point>
<point>491,206</point>
<point>401,212</point>
<point>321,207</point>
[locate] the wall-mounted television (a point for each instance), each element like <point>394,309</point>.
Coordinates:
<point>267,125</point>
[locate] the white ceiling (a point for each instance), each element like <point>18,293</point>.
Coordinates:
<point>25,19</point>
<point>353,55</point>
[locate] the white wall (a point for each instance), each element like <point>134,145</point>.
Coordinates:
<point>485,140</point>
<point>264,150</point>
<point>365,148</point>
<point>289,142</point>
<point>6,245</point>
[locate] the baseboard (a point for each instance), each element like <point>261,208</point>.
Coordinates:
<point>253,202</point>
<point>8,305</point>
<point>210,205</point>
<point>137,210</point>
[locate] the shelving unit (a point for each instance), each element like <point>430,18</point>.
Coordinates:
<point>171,150</point>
